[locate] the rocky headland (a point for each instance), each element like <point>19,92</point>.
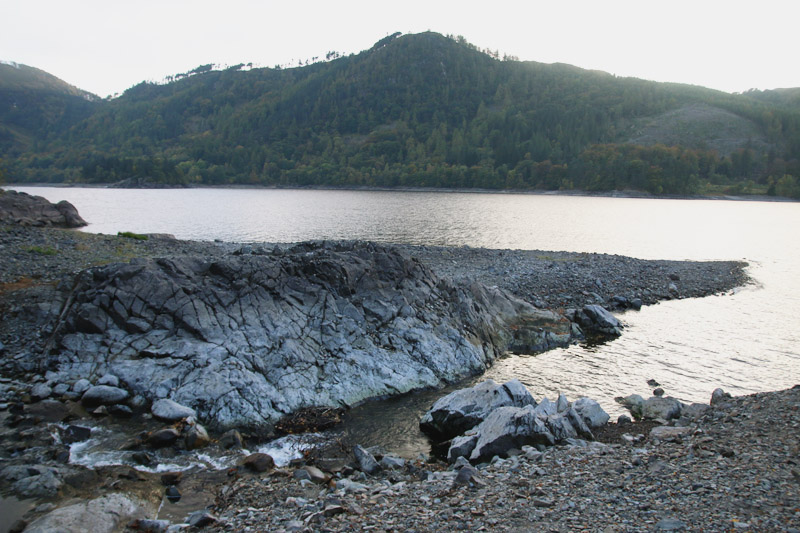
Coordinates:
<point>212,345</point>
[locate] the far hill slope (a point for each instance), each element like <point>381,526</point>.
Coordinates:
<point>426,111</point>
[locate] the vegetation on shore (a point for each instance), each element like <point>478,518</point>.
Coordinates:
<point>413,111</point>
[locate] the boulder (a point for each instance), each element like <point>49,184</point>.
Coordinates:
<point>105,514</point>
<point>171,411</point>
<point>595,318</point>
<point>506,428</point>
<point>463,409</point>
<point>657,407</point>
<point>251,338</point>
<point>591,412</point>
<point>103,395</point>
<point>28,210</point>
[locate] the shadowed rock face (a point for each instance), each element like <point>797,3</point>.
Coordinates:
<point>247,339</point>
<point>24,209</point>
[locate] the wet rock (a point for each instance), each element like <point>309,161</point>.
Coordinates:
<point>146,525</point>
<point>36,481</point>
<point>201,519</point>
<point>366,462</point>
<point>196,437</point>
<point>596,318</point>
<point>231,439</point>
<point>171,478</point>
<point>258,462</point>
<point>464,409</point>
<point>163,437</point>
<point>173,494</point>
<point>75,433</point>
<point>120,411</point>
<point>171,411</point>
<point>103,395</point>
<point>143,458</point>
<point>81,386</point>
<point>658,392</point>
<point>105,514</point>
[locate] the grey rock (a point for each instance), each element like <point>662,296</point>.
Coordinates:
<point>242,338</point>
<point>109,379</point>
<point>669,432</point>
<point>81,386</point>
<point>40,391</point>
<point>464,409</point>
<point>61,389</point>
<point>461,446</point>
<point>506,428</point>
<point>545,408</point>
<point>196,437</point>
<point>28,210</point>
<point>670,524</point>
<point>231,439</point>
<point>366,462</point>
<point>258,462</point>
<point>591,412</point>
<point>201,519</point>
<point>163,437</point>
<point>562,404</point>
<point>634,403</point>
<point>597,319</point>
<point>349,485</point>
<point>392,462</point>
<point>664,408</point>
<point>106,514</point>
<point>658,392</point>
<point>171,411</point>
<point>33,481</point>
<point>146,525</point>
<point>579,424</point>
<point>560,427</point>
<point>719,396</point>
<point>103,395</point>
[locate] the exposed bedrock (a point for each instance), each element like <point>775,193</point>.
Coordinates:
<point>246,339</point>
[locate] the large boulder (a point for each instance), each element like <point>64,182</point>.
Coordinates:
<point>463,409</point>
<point>245,340</point>
<point>27,210</point>
<point>509,427</point>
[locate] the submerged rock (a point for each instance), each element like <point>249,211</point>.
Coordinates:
<point>244,340</point>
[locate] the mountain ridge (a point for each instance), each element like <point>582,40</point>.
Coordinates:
<point>424,110</point>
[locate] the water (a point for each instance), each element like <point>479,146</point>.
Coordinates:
<point>745,342</point>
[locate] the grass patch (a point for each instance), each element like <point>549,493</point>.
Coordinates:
<point>41,250</point>
<point>131,235</point>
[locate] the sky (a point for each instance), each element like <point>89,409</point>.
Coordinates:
<point>108,46</point>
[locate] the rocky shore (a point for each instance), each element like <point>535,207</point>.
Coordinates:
<point>171,337</point>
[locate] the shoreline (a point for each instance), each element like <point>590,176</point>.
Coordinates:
<point>576,193</point>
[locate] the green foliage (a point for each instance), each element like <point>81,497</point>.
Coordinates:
<point>131,235</point>
<point>413,111</point>
<point>41,250</point>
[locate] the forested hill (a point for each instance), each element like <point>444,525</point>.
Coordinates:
<point>424,111</point>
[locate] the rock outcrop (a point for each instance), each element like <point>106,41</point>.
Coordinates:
<point>246,339</point>
<point>27,210</point>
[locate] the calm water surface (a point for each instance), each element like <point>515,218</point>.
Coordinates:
<point>744,342</point>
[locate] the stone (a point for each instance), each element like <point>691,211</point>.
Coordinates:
<point>103,395</point>
<point>171,478</point>
<point>624,420</point>
<point>591,412</point>
<point>228,335</point>
<point>75,433</point>
<point>40,391</point>
<point>81,386</point>
<point>316,475</point>
<point>173,494</point>
<point>463,409</point>
<point>669,432</point>
<point>146,525</point>
<point>196,437</point>
<point>506,428</point>
<point>201,519</point>
<point>658,392</point>
<point>171,411</point>
<point>231,439</point>
<point>562,404</point>
<point>461,447</point>
<point>670,524</point>
<point>392,462</point>
<point>108,379</point>
<point>163,437</point>
<point>634,403</point>
<point>105,514</point>
<point>664,408</point>
<point>467,475</point>
<point>560,427</point>
<point>366,462</point>
<point>258,462</point>
<point>719,396</point>
<point>61,389</point>
<point>596,318</point>
<point>120,411</point>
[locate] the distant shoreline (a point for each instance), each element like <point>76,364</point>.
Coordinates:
<point>574,193</point>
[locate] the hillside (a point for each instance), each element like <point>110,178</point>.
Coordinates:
<point>35,105</point>
<point>426,111</point>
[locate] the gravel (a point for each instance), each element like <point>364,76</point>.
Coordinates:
<point>736,469</point>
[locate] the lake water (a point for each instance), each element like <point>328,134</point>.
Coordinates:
<point>744,342</point>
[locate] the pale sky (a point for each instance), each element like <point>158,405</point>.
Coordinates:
<point>107,46</point>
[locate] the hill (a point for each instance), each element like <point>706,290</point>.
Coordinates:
<point>35,105</point>
<point>426,111</point>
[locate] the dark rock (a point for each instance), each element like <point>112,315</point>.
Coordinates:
<point>464,409</point>
<point>103,395</point>
<point>75,434</point>
<point>201,519</point>
<point>18,526</point>
<point>597,319</point>
<point>143,458</point>
<point>173,494</point>
<point>120,411</point>
<point>171,478</point>
<point>658,392</point>
<point>196,437</point>
<point>624,420</point>
<point>366,462</point>
<point>258,462</point>
<point>163,437</point>
<point>150,526</point>
<point>231,439</point>
<point>719,396</point>
<point>27,210</point>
